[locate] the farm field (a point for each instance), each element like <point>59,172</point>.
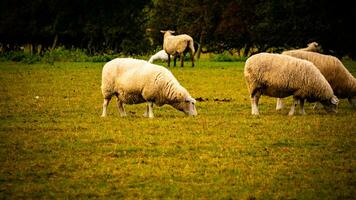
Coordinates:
<point>54,144</point>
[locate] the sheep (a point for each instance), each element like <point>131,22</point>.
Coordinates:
<point>340,79</point>
<point>313,47</point>
<point>161,55</point>
<point>178,45</point>
<point>135,81</point>
<point>277,75</point>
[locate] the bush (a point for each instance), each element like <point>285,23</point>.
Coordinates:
<point>20,56</point>
<point>62,54</point>
<point>226,57</point>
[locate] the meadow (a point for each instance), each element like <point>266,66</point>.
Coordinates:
<point>55,145</point>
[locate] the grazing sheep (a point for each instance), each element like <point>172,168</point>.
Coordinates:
<point>161,55</point>
<point>313,47</point>
<point>340,79</point>
<point>135,81</point>
<point>178,45</point>
<point>280,76</point>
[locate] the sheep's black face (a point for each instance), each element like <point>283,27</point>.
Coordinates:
<point>331,105</point>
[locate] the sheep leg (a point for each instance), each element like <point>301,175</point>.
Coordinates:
<point>169,60</point>
<point>292,109</point>
<point>254,103</point>
<point>149,110</point>
<point>316,106</point>
<point>105,106</point>
<point>302,111</point>
<point>121,108</point>
<point>175,59</point>
<point>181,59</point>
<point>279,104</point>
<point>192,57</point>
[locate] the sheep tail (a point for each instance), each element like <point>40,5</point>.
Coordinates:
<point>190,45</point>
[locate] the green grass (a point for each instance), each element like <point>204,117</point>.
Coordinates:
<point>58,146</point>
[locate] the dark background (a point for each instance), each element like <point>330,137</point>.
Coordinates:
<point>132,26</point>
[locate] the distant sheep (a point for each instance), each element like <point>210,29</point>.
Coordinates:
<point>161,55</point>
<point>313,47</point>
<point>135,81</point>
<point>280,76</point>
<point>340,79</point>
<point>178,45</point>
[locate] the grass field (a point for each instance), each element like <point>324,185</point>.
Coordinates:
<point>54,144</point>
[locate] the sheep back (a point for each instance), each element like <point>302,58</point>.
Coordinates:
<point>339,78</point>
<point>176,44</point>
<point>280,76</point>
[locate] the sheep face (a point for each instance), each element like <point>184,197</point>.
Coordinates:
<point>187,106</point>
<point>331,105</point>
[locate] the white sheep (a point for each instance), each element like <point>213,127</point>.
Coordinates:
<point>313,47</point>
<point>135,81</point>
<point>178,45</point>
<point>280,76</point>
<point>161,55</point>
<point>340,79</point>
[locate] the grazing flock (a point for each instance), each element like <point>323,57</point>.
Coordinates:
<point>304,73</point>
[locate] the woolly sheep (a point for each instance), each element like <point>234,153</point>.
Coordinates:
<point>340,79</point>
<point>280,76</point>
<point>135,81</point>
<point>178,45</point>
<point>161,55</point>
<point>313,47</point>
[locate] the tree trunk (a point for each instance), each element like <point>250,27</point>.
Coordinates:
<point>201,39</point>
<point>54,42</point>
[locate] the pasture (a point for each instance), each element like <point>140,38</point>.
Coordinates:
<point>54,144</point>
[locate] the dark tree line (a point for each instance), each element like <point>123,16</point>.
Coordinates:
<point>133,26</point>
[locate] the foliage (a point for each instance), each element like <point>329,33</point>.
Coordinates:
<point>227,57</point>
<point>55,145</point>
<point>132,27</point>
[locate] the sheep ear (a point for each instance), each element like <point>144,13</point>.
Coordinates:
<point>163,31</point>
<point>334,100</point>
<point>172,31</point>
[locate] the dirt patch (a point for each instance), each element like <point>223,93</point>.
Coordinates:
<point>202,99</point>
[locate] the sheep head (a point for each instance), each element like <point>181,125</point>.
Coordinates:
<point>167,33</point>
<point>314,46</point>
<point>187,106</point>
<point>331,105</point>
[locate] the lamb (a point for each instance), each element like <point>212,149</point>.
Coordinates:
<point>178,45</point>
<point>340,79</point>
<point>280,76</point>
<point>161,55</point>
<point>135,81</point>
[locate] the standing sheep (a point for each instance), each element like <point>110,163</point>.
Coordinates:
<point>135,81</point>
<point>280,76</point>
<point>178,45</point>
<point>161,55</point>
<point>340,79</point>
